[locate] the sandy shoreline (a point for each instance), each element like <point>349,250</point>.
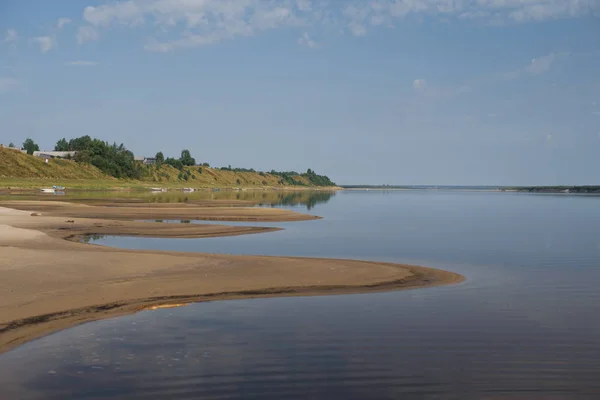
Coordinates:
<point>49,283</point>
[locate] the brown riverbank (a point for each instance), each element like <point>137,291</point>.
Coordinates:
<point>48,283</point>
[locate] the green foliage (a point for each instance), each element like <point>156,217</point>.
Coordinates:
<point>229,168</point>
<point>186,158</point>
<point>11,144</point>
<point>238,181</point>
<point>318,180</point>
<point>112,159</point>
<point>174,163</point>
<point>62,145</point>
<point>30,146</point>
<point>200,170</point>
<point>160,159</point>
<point>207,165</point>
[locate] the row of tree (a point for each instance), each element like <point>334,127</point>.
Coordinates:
<point>185,160</point>
<point>112,159</point>
<point>115,160</point>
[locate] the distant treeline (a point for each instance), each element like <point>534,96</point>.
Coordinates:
<point>117,161</point>
<point>556,189</point>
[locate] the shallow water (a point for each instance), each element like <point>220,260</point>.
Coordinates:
<point>301,198</point>
<point>525,325</point>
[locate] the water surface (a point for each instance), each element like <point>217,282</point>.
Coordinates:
<point>524,325</point>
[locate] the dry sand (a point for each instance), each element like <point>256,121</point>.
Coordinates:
<point>48,283</point>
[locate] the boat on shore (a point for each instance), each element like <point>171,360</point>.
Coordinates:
<point>154,189</point>
<point>187,190</point>
<point>53,189</point>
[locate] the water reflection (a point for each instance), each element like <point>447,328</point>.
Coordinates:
<point>305,198</point>
<point>402,345</point>
<point>92,238</point>
<point>523,326</point>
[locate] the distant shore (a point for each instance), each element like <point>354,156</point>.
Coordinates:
<point>589,189</point>
<point>49,283</point>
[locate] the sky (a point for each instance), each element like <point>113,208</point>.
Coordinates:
<point>442,92</point>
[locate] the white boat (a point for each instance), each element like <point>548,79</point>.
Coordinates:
<point>188,190</point>
<point>158,189</point>
<point>47,190</point>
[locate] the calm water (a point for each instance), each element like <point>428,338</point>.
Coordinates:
<point>525,325</point>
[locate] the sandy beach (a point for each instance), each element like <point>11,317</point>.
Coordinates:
<point>49,283</point>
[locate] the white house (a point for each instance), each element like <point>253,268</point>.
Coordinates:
<point>54,154</point>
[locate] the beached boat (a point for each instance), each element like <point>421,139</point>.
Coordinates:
<point>188,189</point>
<point>158,189</point>
<point>53,189</point>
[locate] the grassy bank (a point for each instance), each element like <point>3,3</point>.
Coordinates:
<point>22,171</point>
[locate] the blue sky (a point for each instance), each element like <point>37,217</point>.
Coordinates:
<point>400,92</point>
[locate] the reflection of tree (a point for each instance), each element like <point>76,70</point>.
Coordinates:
<point>92,238</point>
<point>308,198</point>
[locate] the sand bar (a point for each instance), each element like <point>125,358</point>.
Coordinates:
<point>48,283</point>
<point>133,211</point>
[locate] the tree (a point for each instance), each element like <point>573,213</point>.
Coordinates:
<point>174,163</point>
<point>11,144</point>
<point>62,145</point>
<point>30,146</point>
<point>160,158</point>
<point>186,158</point>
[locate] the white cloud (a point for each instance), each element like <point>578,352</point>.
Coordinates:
<point>61,22</point>
<point>81,63</point>
<point>541,64</point>
<point>86,33</point>
<point>537,66</point>
<point>46,43</point>
<point>7,83</point>
<point>192,23</point>
<point>11,37</point>
<point>419,84</point>
<point>305,40</point>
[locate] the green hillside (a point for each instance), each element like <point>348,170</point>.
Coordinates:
<point>14,164</point>
<point>18,169</point>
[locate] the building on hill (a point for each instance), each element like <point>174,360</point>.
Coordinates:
<point>54,154</point>
<point>145,160</point>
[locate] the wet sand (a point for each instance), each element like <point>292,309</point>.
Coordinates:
<point>49,283</point>
<point>135,211</point>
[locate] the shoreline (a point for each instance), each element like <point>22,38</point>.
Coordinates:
<point>50,283</point>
